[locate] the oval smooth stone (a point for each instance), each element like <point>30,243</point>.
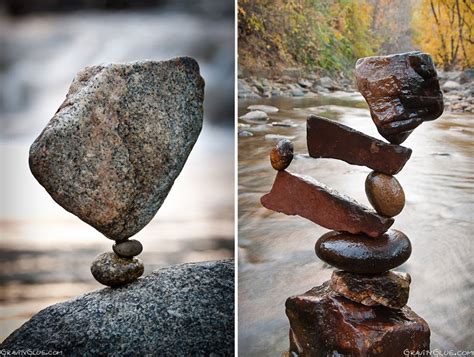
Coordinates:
<point>358,253</point>
<point>128,248</point>
<point>385,194</point>
<point>111,270</point>
<point>282,155</point>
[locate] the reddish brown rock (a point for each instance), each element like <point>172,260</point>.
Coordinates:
<point>389,289</point>
<point>402,91</point>
<point>304,196</point>
<point>385,194</point>
<point>329,139</point>
<point>326,324</point>
<point>358,253</point>
<point>282,155</point>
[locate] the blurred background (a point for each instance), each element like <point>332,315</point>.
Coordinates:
<point>45,252</point>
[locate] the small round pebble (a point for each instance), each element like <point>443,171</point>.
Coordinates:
<point>385,194</point>
<point>128,248</point>
<point>111,270</point>
<point>282,155</point>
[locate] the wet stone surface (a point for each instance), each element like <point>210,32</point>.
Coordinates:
<point>385,194</point>
<point>282,155</point>
<point>111,270</point>
<point>329,139</point>
<point>402,91</point>
<point>389,289</point>
<point>114,148</point>
<point>358,253</point>
<point>304,196</point>
<point>128,249</point>
<point>326,324</point>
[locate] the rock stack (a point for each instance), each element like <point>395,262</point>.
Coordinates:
<point>114,148</point>
<point>362,310</point>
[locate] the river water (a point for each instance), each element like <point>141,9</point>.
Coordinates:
<point>276,252</point>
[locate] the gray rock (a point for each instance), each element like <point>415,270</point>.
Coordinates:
<point>111,270</point>
<point>182,310</point>
<point>128,249</point>
<point>255,115</point>
<point>467,76</point>
<point>245,133</point>
<point>450,85</point>
<point>263,108</point>
<point>117,143</point>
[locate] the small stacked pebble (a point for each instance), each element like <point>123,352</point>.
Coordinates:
<point>362,309</point>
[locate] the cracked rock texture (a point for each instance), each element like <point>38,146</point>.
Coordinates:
<point>181,310</point>
<point>113,149</point>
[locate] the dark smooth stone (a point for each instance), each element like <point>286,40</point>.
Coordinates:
<point>329,139</point>
<point>402,91</point>
<point>358,253</point>
<point>128,248</point>
<point>326,324</point>
<point>111,270</point>
<point>385,194</point>
<point>389,289</point>
<point>282,155</point>
<point>304,196</point>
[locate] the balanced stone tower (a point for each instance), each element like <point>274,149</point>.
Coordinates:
<point>362,310</point>
<point>114,148</point>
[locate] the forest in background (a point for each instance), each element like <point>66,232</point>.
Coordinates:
<point>328,36</point>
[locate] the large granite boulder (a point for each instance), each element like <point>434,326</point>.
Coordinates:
<point>117,143</point>
<point>182,310</point>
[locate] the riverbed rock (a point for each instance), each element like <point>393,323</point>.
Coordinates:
<point>255,115</point>
<point>358,253</point>
<point>326,324</point>
<point>385,194</point>
<point>449,86</point>
<point>114,148</point>
<point>263,108</point>
<point>282,155</point>
<point>389,289</point>
<point>328,139</point>
<point>181,310</point>
<point>128,248</point>
<point>111,270</point>
<point>294,194</point>
<point>402,91</point>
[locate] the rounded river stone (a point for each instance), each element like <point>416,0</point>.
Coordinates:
<point>385,194</point>
<point>282,155</point>
<point>128,249</point>
<point>358,253</point>
<point>111,270</point>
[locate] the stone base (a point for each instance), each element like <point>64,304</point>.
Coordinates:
<point>326,324</point>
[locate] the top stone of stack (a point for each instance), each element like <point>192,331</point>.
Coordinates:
<point>402,91</point>
<point>113,149</point>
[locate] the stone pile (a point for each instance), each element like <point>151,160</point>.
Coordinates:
<point>114,148</point>
<point>362,310</point>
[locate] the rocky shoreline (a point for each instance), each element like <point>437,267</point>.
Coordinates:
<point>457,87</point>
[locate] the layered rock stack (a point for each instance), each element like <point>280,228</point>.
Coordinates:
<point>362,310</point>
<point>114,148</point>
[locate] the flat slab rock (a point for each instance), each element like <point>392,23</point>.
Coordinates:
<point>326,324</point>
<point>293,194</point>
<point>389,289</point>
<point>182,310</point>
<point>402,91</point>
<point>114,148</point>
<point>329,139</point>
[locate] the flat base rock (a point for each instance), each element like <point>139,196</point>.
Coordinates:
<point>294,194</point>
<point>181,310</point>
<point>326,324</point>
<point>389,289</point>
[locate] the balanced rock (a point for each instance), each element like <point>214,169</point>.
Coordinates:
<point>389,289</point>
<point>180,310</point>
<point>282,155</point>
<point>329,139</point>
<point>385,194</point>
<point>402,91</point>
<point>304,196</point>
<point>117,143</point>
<point>358,253</point>
<point>326,324</point>
<point>111,270</point>
<point>128,248</point>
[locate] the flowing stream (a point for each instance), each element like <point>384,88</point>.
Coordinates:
<point>276,252</point>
